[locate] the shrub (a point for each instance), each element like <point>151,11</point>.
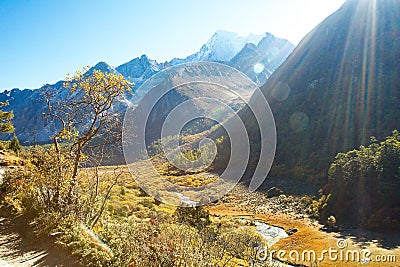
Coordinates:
<point>364,181</point>
<point>196,217</point>
<point>331,222</point>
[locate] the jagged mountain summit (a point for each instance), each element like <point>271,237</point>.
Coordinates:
<point>104,67</point>
<point>140,69</point>
<point>222,47</point>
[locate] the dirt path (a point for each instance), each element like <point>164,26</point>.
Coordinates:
<point>18,247</point>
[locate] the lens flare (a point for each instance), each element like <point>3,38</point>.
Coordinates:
<point>258,68</point>
<point>209,91</point>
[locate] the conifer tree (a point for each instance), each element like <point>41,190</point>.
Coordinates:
<point>5,119</point>
<point>15,145</point>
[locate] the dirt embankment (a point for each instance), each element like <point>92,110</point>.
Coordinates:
<point>20,247</point>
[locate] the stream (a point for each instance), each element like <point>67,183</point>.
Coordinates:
<point>186,200</point>
<point>271,234</point>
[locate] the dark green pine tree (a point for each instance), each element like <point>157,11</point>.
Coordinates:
<point>15,145</point>
<point>5,119</point>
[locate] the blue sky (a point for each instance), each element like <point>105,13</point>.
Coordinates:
<point>43,40</point>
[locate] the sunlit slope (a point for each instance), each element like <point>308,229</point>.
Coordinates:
<point>340,86</point>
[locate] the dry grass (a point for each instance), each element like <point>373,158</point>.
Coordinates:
<point>9,159</point>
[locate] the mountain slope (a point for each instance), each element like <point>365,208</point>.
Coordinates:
<point>261,60</point>
<point>28,105</point>
<point>212,86</point>
<point>340,86</point>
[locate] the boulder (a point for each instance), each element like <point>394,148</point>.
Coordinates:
<point>274,192</point>
<point>291,231</point>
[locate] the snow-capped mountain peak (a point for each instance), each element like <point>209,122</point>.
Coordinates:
<point>222,46</point>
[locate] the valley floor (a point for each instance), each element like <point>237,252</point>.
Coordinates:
<point>20,248</point>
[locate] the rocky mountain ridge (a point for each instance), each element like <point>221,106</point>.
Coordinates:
<point>225,47</point>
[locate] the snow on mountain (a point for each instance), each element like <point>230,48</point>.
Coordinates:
<point>222,46</point>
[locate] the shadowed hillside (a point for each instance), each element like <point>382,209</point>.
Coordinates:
<point>339,87</point>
